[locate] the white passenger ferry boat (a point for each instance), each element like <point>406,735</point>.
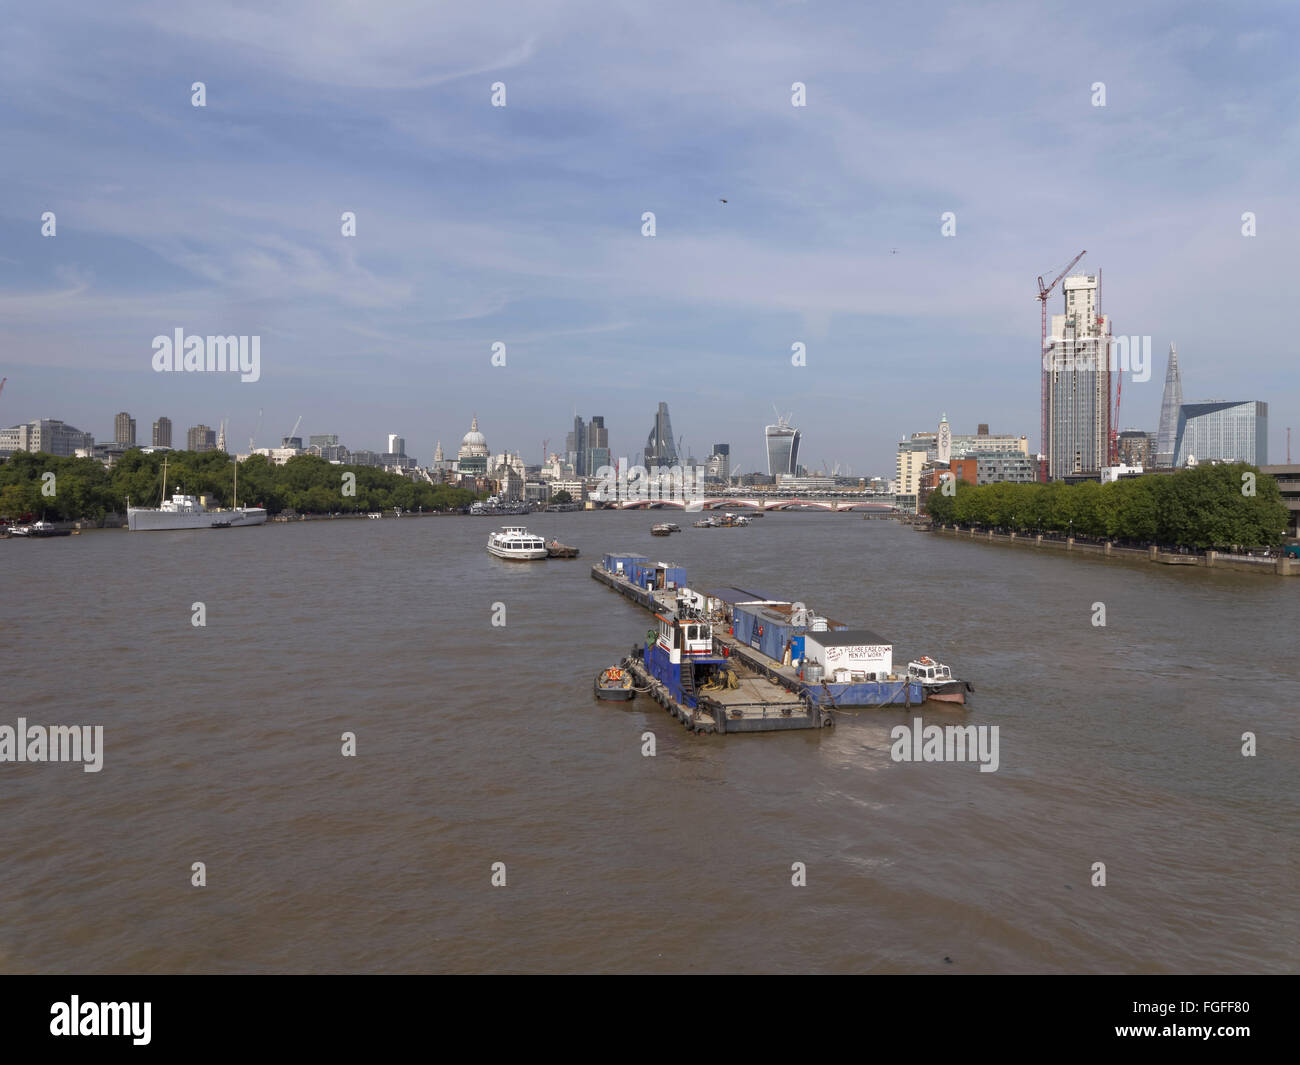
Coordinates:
<point>516,542</point>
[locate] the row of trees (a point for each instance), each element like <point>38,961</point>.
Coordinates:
<point>85,489</point>
<point>1205,507</point>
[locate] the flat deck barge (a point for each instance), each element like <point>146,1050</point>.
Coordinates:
<point>853,690</point>
<point>684,668</point>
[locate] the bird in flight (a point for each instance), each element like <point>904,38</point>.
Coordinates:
<point>721,200</point>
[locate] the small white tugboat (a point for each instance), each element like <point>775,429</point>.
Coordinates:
<point>516,543</point>
<point>937,682</point>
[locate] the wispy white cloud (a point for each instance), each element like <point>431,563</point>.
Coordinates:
<point>522,223</point>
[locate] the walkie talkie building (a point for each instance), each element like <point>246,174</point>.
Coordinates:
<point>782,442</point>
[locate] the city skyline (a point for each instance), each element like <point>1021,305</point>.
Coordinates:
<point>521,226</point>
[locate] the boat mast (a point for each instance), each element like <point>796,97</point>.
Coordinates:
<point>163,497</point>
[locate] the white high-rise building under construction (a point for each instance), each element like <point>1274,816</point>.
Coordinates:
<point>1077,362</point>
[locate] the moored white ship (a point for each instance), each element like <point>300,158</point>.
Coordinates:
<point>187,512</point>
<point>517,543</point>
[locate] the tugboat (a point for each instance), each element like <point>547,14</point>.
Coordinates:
<point>516,543</point>
<point>937,682</point>
<point>555,549</point>
<point>614,685</point>
<point>679,654</point>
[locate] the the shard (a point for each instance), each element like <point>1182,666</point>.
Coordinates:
<point>1173,399</point>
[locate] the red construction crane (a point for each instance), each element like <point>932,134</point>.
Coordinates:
<point>1104,347</point>
<point>1043,292</point>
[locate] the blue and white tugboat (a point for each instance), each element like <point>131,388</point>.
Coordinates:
<point>708,691</point>
<point>679,654</point>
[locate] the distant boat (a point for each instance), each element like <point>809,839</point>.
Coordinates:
<point>660,530</point>
<point>39,530</point>
<point>186,512</point>
<point>493,506</point>
<point>516,543</point>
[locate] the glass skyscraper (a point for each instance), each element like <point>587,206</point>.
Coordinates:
<point>1170,404</point>
<point>660,448</point>
<point>1232,432</point>
<point>782,443</point>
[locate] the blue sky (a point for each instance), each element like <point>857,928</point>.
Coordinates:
<point>522,224</point>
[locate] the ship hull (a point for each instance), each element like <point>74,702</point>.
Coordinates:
<point>953,691</point>
<point>139,519</point>
<point>518,554</point>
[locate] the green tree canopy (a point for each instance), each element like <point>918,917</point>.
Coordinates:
<point>1222,505</point>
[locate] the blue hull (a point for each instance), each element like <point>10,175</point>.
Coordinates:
<point>657,664</point>
<point>867,693</point>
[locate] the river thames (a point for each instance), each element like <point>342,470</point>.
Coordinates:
<point>479,744</point>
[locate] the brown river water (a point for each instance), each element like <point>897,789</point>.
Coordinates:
<point>479,744</point>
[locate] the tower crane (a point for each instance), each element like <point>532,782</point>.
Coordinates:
<point>1043,292</point>
<point>1119,378</point>
<point>294,431</point>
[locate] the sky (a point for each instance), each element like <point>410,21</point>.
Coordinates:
<point>523,224</point>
